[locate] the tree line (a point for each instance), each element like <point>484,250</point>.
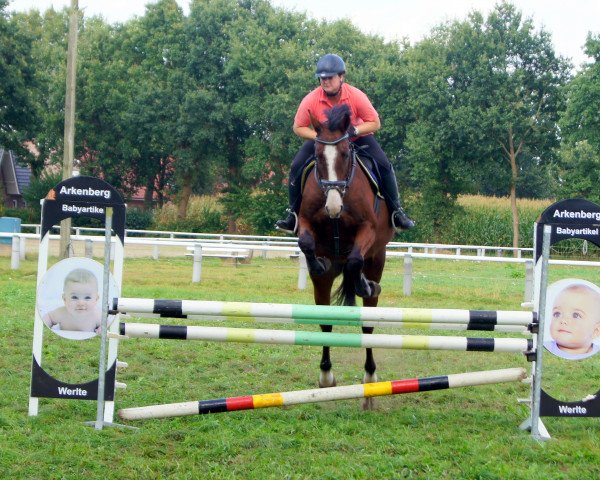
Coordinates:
<point>204,103</point>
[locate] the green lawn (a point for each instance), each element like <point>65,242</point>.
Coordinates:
<point>463,433</point>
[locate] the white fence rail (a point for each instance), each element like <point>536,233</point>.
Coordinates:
<point>243,247</point>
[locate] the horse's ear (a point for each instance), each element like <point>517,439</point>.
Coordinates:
<point>316,124</point>
<point>346,122</point>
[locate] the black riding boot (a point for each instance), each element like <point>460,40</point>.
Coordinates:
<point>400,219</point>
<point>290,223</point>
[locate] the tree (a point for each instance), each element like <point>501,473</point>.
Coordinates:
<point>133,86</point>
<point>17,80</point>
<point>495,102</point>
<point>580,129</point>
<point>106,88</point>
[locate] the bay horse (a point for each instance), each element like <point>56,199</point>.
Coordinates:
<point>344,228</point>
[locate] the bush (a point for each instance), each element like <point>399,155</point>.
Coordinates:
<point>256,211</point>
<point>204,215</point>
<point>139,219</point>
<point>27,215</point>
<point>38,188</point>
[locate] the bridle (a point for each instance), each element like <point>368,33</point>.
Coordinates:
<point>339,185</point>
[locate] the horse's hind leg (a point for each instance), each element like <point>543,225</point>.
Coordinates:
<point>374,270</point>
<point>322,293</point>
<point>326,376</point>
<point>370,375</point>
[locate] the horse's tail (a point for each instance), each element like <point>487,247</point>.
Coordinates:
<point>345,293</point>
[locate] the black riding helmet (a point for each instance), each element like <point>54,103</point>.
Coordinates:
<point>330,65</point>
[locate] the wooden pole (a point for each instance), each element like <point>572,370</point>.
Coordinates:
<point>69,133</point>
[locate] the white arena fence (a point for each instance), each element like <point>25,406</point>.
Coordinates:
<point>240,248</point>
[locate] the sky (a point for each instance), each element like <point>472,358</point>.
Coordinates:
<point>567,21</point>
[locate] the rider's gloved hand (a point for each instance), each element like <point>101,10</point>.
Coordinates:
<point>352,131</point>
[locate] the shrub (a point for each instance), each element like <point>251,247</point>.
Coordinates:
<point>38,188</point>
<point>204,215</point>
<point>27,215</point>
<point>139,219</point>
<point>256,211</point>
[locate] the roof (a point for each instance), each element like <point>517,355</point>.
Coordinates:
<point>16,177</point>
<point>23,176</point>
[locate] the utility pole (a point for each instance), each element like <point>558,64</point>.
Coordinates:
<point>69,135</point>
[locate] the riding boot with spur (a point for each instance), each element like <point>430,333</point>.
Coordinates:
<point>290,223</point>
<point>400,220</point>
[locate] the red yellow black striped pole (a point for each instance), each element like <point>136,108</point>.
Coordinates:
<point>367,390</point>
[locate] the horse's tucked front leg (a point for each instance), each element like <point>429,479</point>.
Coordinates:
<point>326,377</point>
<point>370,374</point>
<point>317,266</point>
<point>364,287</point>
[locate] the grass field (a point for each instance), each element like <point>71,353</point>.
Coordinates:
<point>469,433</point>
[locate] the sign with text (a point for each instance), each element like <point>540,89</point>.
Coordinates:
<point>572,323</point>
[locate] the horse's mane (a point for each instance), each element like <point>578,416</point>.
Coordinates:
<point>337,116</point>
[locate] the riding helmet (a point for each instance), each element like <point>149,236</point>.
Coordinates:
<point>330,65</point>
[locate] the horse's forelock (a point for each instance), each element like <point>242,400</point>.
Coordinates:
<point>338,117</point>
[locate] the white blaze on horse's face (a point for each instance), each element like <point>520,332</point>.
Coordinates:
<point>334,204</point>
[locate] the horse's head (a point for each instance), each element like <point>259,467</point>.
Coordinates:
<point>334,166</point>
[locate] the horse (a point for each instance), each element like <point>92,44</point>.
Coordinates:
<point>343,228</point>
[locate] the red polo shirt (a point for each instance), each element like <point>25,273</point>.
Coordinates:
<point>317,102</point>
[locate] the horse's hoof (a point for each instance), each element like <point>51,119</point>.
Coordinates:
<point>375,289</point>
<point>327,379</point>
<point>324,266</point>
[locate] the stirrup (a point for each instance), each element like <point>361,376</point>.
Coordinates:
<point>281,224</point>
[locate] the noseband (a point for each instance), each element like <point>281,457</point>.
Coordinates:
<point>339,185</point>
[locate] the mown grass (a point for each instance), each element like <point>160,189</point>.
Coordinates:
<point>464,433</point>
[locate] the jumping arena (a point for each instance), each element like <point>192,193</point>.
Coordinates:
<point>526,323</point>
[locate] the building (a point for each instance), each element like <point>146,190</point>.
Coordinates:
<point>14,179</point>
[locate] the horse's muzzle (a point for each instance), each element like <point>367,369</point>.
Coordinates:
<point>334,204</point>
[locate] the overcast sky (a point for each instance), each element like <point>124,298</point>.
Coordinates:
<point>568,21</point>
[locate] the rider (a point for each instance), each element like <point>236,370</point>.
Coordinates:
<point>331,70</point>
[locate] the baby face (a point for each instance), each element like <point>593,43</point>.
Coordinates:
<point>80,298</point>
<point>575,320</point>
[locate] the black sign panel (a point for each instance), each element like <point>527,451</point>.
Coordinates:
<point>550,407</point>
<point>83,197</point>
<point>572,218</point>
<point>44,385</point>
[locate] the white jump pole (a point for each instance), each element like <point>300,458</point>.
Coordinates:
<point>354,340</point>
<point>181,308</point>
